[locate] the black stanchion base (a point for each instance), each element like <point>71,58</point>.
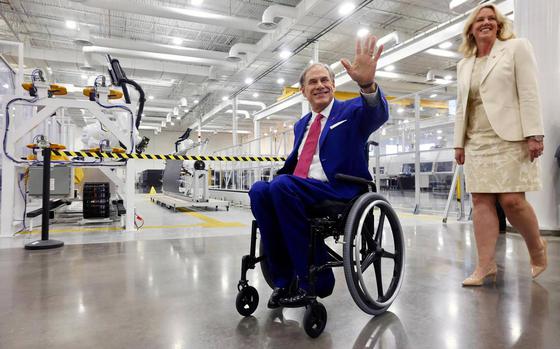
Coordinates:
<point>43,244</point>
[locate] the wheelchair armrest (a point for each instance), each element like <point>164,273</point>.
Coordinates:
<point>356,180</point>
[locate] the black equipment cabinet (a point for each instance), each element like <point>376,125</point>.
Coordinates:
<point>96,200</point>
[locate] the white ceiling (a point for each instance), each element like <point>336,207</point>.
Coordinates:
<point>40,24</point>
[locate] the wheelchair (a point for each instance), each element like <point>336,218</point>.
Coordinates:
<point>367,242</point>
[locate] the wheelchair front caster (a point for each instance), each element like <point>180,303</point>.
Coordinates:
<point>315,319</point>
<point>247,300</point>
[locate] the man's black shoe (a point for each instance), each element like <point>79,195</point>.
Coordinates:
<point>277,294</point>
<point>299,299</point>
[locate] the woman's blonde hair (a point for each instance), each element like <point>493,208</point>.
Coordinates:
<point>468,46</point>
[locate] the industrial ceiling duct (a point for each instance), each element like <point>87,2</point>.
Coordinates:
<point>238,49</point>
<point>273,11</point>
<point>212,74</point>
<point>87,66</point>
<point>83,38</point>
<point>187,14</point>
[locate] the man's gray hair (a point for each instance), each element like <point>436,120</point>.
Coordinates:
<point>304,73</point>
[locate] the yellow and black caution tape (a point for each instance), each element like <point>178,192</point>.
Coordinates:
<point>105,155</point>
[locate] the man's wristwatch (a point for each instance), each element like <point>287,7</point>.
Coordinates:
<point>538,138</point>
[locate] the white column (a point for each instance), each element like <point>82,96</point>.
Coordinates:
<point>234,121</point>
<point>416,153</point>
<point>540,24</point>
<point>129,194</point>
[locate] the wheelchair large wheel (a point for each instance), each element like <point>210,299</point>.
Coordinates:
<point>265,268</point>
<point>373,252</point>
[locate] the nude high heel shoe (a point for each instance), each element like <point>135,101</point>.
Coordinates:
<point>536,268</point>
<point>478,279</point>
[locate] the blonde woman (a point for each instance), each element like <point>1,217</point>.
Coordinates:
<point>498,135</point>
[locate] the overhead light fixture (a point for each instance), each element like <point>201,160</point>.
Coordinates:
<point>363,32</point>
<point>195,101</point>
<point>197,2</point>
<point>443,53</point>
<point>346,8</point>
<point>433,95</point>
<point>163,124</point>
<point>248,81</point>
<point>183,102</point>
<point>168,117</point>
<point>285,54</point>
<point>280,81</point>
<point>172,123</point>
<point>311,61</point>
<point>49,69</point>
<point>456,3</point>
<point>445,45</point>
<point>177,41</point>
<point>175,111</point>
<point>448,77</point>
<point>439,131</point>
<point>225,98</point>
<point>154,82</point>
<point>6,86</point>
<point>71,24</point>
<point>150,97</point>
<point>255,95</point>
<point>389,68</point>
<point>400,110</point>
<point>439,137</point>
<point>84,76</point>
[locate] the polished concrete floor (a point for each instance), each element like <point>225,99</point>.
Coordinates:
<point>175,287</point>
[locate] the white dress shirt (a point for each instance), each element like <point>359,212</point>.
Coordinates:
<point>316,169</point>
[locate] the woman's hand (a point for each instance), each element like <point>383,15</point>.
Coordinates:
<point>460,155</point>
<point>536,148</point>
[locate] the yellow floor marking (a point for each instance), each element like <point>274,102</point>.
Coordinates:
<point>210,222</point>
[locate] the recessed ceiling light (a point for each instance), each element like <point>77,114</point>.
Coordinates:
<point>150,97</point>
<point>255,95</point>
<point>197,2</point>
<point>195,101</point>
<point>225,98</point>
<point>71,24</point>
<point>84,76</point>
<point>439,131</point>
<point>6,86</point>
<point>311,61</point>
<point>280,81</point>
<point>346,8</point>
<point>248,81</point>
<point>400,110</point>
<point>285,54</point>
<point>177,41</point>
<point>445,45</point>
<point>433,95</point>
<point>389,68</point>
<point>448,77</point>
<point>363,32</point>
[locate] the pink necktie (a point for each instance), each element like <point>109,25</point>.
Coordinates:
<point>306,156</point>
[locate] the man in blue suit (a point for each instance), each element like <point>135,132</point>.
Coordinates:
<point>329,140</point>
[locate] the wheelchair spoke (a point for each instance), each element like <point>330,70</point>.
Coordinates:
<point>370,258</point>
<point>385,254</point>
<point>379,233</point>
<point>378,277</point>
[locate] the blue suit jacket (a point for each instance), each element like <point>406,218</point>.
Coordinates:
<point>342,148</point>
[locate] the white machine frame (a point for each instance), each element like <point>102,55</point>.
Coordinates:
<point>42,109</point>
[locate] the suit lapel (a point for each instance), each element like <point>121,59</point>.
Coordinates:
<point>465,74</point>
<point>330,120</point>
<point>493,58</point>
<point>300,131</point>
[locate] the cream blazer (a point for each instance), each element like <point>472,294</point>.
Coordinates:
<point>509,92</point>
